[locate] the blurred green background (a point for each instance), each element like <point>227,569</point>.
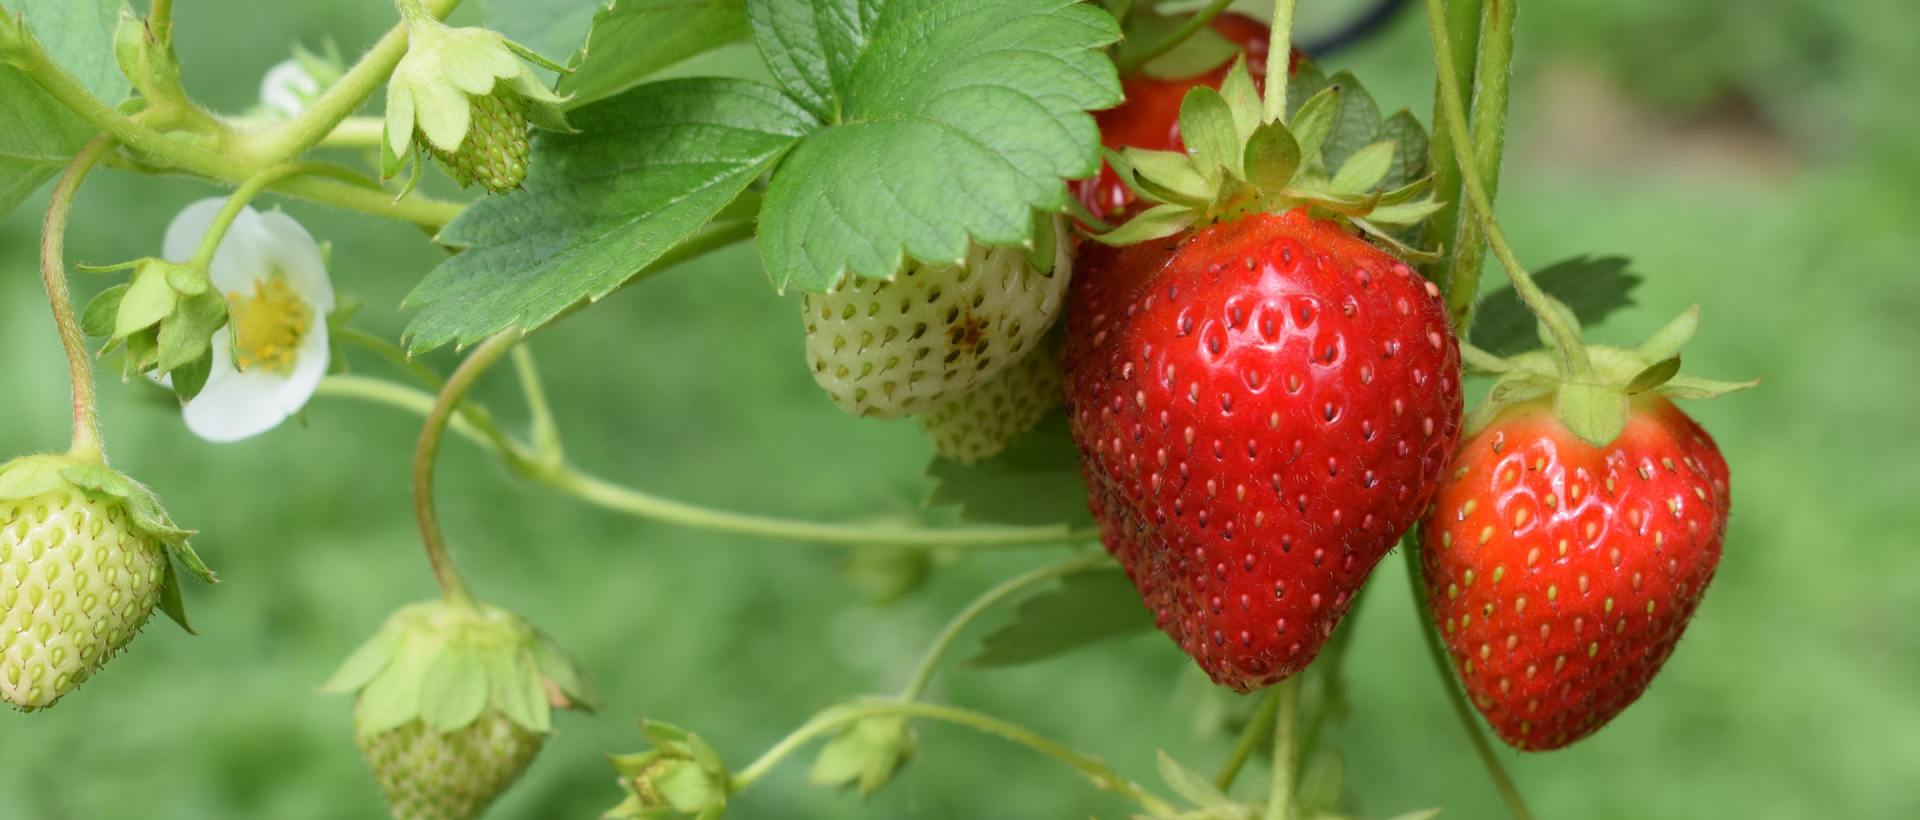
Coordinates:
<point>1755,158</point>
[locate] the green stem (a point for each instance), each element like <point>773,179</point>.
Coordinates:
<point>1260,725</point>
<point>1279,58</point>
<point>1332,693</point>
<point>1492,77</point>
<point>380,391</point>
<point>394,355</point>
<point>425,455</point>
<point>1573,355</point>
<point>53,273</point>
<point>1280,794</point>
<point>611,496</point>
<point>546,432</point>
<point>293,137</point>
<point>1463,29</point>
<point>160,21</point>
<point>834,718</point>
<point>1509,794</point>
<point>923,672</point>
<point>1179,35</point>
<point>237,201</point>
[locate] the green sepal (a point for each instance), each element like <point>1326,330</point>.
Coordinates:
<point>171,601</point>
<point>448,664</point>
<point>1207,127</point>
<point>102,311</point>
<point>29,476</point>
<point>187,333</point>
<point>560,667</point>
<point>190,378</point>
<point>1198,790</point>
<point>1153,223</point>
<point>1666,342</point>
<point>1691,387</point>
<point>1272,157</point>
<point>148,300</point>
<point>1654,375</point>
<point>1594,412</point>
<point>865,755</point>
<point>680,777</point>
<point>1364,170</point>
<point>1314,121</point>
<point>144,512</point>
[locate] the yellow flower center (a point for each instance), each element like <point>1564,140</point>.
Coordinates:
<point>268,326</point>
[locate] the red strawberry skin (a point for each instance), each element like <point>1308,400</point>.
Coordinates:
<point>1561,575</point>
<point>1150,117</point>
<point>1261,408</point>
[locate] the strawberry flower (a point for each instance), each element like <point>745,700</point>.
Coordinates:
<point>269,359</point>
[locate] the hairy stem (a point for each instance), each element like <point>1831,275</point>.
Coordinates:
<point>237,201</point>
<point>1279,58</point>
<point>1259,725</point>
<point>483,358</point>
<point>834,718</point>
<point>1573,354</point>
<point>1173,39</point>
<point>609,495</point>
<point>1463,28</point>
<point>1496,771</point>
<point>923,672</point>
<point>293,137</point>
<point>1280,793</point>
<point>160,21</point>
<point>53,273</point>
<point>1492,75</point>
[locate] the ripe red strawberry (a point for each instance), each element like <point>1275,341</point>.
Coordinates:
<point>1562,574</point>
<point>1150,116</point>
<point>1262,406</point>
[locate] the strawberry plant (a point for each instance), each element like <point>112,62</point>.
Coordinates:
<point>1165,296</point>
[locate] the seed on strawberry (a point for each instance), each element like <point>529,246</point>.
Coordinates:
<point>1262,406</point>
<point>495,151</point>
<point>455,699</point>
<point>890,348</point>
<point>84,561</point>
<point>979,423</point>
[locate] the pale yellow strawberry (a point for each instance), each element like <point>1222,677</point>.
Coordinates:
<point>980,423</point>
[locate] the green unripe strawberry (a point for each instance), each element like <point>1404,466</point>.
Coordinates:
<point>455,699</point>
<point>495,151</point>
<point>464,96</point>
<point>83,564</point>
<point>427,774</point>
<point>980,423</point>
<point>890,348</point>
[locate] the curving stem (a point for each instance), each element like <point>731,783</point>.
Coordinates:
<point>483,358</point>
<point>53,273</point>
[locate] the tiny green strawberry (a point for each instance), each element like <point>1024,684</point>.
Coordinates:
<point>978,424</point>
<point>84,561</point>
<point>866,755</point>
<point>455,699</point>
<point>680,777</point>
<point>890,348</point>
<point>464,96</point>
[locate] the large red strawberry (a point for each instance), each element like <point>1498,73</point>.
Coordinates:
<point>1150,116</point>
<point>1262,407</point>
<point>1561,572</point>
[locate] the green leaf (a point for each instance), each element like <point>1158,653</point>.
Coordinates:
<point>99,316</point>
<point>948,121</point>
<point>78,36</point>
<point>1202,51</point>
<point>646,171</point>
<point>1364,169</point>
<point>1594,288</point>
<point>1035,481</point>
<point>1083,609</point>
<point>41,135</point>
<point>453,691</point>
<point>627,44</point>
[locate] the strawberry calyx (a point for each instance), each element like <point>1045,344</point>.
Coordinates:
<point>681,776</point>
<point>37,476</point>
<point>448,664</point>
<point>1239,162</point>
<point>1594,404</point>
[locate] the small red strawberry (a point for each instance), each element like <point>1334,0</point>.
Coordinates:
<point>1561,573</point>
<point>1150,116</point>
<point>1262,407</point>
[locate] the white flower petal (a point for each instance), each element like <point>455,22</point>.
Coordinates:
<point>236,405</point>
<point>291,249</point>
<point>287,87</point>
<point>238,262</point>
